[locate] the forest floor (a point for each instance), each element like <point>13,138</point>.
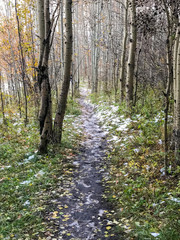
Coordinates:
<point>82,212</point>
<point>105,181</point>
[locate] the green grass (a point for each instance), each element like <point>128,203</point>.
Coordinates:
<point>142,197</point>
<point>27,179</point>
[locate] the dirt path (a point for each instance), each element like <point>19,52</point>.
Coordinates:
<point>83,210</point>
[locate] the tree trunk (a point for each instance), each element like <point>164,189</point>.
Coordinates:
<point>132,54</point>
<point>23,64</point>
<point>2,99</point>
<point>123,57</point>
<point>177,103</point>
<point>62,39</point>
<point>58,122</point>
<point>45,114</point>
<point>168,85</point>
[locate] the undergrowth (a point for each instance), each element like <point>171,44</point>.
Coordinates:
<point>28,179</point>
<point>147,202</point>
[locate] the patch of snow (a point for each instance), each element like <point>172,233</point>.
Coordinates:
<point>170,168</point>
<point>122,145</point>
<point>126,139</point>
<point>136,150</point>
<point>2,168</point>
<point>156,119</point>
<point>155,234</point>
<point>122,127</point>
<point>19,130</point>
<point>115,121</point>
<point>162,170</point>
<point>31,157</point>
<point>27,203</point>
<point>20,163</point>
<point>25,182</point>
<point>27,160</point>
<point>114,108</point>
<point>114,138</point>
<point>101,212</point>
<point>175,200</point>
<point>76,163</point>
<point>40,173</point>
<point>147,167</point>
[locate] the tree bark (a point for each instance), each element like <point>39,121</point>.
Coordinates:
<point>132,54</point>
<point>45,114</point>
<point>168,85</point>
<point>177,102</point>
<point>59,118</point>
<point>23,65</point>
<point>123,57</point>
<point>2,100</point>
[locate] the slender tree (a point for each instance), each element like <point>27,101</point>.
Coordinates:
<point>177,96</point>
<point>132,54</point>
<point>123,56</point>
<point>23,63</point>
<point>58,122</point>
<point>2,99</point>
<point>45,114</point>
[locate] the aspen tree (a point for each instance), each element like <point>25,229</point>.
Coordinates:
<point>23,64</point>
<point>58,122</point>
<point>45,115</point>
<point>123,56</point>
<point>62,37</point>
<point>177,98</point>
<point>132,54</point>
<point>2,99</point>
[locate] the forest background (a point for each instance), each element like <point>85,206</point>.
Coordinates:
<point>128,54</point>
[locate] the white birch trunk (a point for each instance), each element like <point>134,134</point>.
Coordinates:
<point>132,54</point>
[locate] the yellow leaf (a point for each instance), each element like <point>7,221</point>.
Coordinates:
<point>108,227</point>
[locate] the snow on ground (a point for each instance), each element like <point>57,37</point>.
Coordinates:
<point>110,118</point>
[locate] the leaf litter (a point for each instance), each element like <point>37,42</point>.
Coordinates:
<point>81,212</point>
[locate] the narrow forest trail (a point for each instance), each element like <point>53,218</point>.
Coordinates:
<point>83,209</point>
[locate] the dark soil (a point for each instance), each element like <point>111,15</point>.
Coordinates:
<point>82,210</point>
